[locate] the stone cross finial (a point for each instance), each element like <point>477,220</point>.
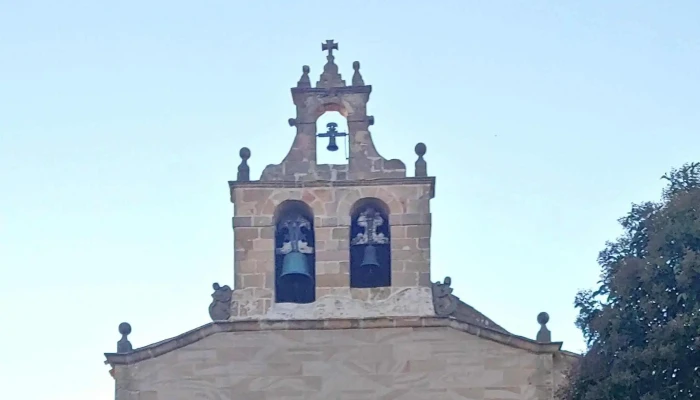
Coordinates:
<point>544,335</point>
<point>329,46</point>
<point>330,78</point>
<point>124,345</point>
<point>421,165</point>
<point>243,169</point>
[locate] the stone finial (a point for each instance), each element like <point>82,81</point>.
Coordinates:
<point>544,335</point>
<point>220,307</point>
<point>243,169</point>
<point>304,81</point>
<point>330,77</point>
<point>421,165</point>
<point>444,302</point>
<point>357,77</point>
<point>124,345</point>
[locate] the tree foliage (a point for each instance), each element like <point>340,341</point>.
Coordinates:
<point>642,323</point>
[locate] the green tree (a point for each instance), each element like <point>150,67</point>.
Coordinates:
<point>642,323</point>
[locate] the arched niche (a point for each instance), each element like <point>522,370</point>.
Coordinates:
<point>370,244</point>
<point>295,256</point>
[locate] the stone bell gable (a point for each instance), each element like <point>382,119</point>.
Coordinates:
<point>332,294</point>
<point>332,94</point>
<point>361,230</point>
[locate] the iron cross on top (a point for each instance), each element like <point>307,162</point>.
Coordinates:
<point>329,46</point>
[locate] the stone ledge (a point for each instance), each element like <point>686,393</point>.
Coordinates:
<point>415,180</point>
<point>195,335</point>
<point>339,302</point>
<point>338,89</point>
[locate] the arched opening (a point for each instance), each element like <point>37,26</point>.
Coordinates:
<point>370,244</point>
<point>332,144</point>
<point>295,256</point>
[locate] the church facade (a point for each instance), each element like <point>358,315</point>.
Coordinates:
<point>333,296</point>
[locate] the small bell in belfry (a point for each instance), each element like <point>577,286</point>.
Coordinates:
<point>296,273</point>
<point>370,220</point>
<point>332,134</point>
<point>295,267</point>
<point>370,257</point>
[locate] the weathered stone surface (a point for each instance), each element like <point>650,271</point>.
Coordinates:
<point>339,362</point>
<point>404,196</point>
<point>337,302</point>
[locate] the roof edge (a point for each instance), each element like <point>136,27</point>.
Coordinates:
<point>464,312</point>
<point>197,334</point>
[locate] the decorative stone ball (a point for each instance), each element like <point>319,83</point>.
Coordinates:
<point>543,318</point>
<point>124,328</point>
<point>421,149</point>
<point>305,69</point>
<point>356,65</point>
<point>244,153</point>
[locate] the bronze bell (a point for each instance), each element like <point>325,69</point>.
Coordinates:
<point>370,257</point>
<point>332,146</point>
<point>295,269</point>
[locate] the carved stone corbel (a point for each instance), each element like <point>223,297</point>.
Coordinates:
<point>444,302</point>
<point>220,307</point>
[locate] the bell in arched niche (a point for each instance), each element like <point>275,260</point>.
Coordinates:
<point>370,248</point>
<point>294,260</point>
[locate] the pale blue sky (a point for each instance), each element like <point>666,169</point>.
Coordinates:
<point>120,124</point>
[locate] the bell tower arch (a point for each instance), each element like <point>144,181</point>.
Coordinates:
<point>332,94</point>
<point>295,259</point>
<point>332,240</point>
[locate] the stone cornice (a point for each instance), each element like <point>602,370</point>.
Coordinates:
<point>332,90</point>
<point>168,345</point>
<point>414,180</point>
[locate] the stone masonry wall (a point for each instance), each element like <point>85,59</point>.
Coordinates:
<point>403,363</point>
<point>409,206</point>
